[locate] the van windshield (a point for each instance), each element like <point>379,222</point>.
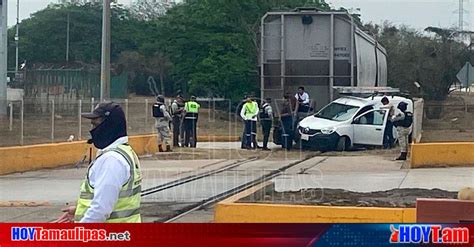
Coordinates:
<point>337,112</point>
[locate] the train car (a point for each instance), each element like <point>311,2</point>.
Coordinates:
<point>317,50</point>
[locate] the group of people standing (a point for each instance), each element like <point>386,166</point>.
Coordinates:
<point>183,115</point>
<point>250,113</point>
<point>290,113</point>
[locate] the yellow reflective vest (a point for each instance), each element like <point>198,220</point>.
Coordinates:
<point>251,109</point>
<point>127,208</point>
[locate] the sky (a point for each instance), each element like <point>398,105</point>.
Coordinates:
<point>418,14</point>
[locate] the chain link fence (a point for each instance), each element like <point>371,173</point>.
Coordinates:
<point>34,121</point>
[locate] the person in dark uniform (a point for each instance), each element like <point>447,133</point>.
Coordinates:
<point>286,118</point>
<point>177,110</point>
<point>266,118</point>
<point>388,132</point>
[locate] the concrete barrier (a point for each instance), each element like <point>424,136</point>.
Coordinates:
<point>229,211</point>
<point>442,154</point>
<point>34,157</point>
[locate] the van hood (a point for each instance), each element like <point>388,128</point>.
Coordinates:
<point>318,123</point>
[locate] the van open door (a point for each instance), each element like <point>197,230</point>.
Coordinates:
<point>369,127</point>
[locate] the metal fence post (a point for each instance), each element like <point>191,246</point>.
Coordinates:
<point>52,120</point>
<point>10,105</point>
<point>22,111</point>
<point>146,114</point>
<point>466,121</point>
<point>79,133</point>
<point>92,104</point>
<point>126,110</point>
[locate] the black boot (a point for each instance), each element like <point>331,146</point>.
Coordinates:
<point>403,156</point>
<point>168,148</point>
<point>160,148</point>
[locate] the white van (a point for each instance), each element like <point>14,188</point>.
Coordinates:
<point>346,122</point>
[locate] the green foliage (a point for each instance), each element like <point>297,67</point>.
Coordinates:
<point>213,43</point>
<point>433,61</point>
<point>43,35</point>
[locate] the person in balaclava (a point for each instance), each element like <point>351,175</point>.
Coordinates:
<point>111,189</point>
<point>403,121</point>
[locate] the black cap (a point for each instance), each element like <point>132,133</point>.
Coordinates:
<point>103,109</point>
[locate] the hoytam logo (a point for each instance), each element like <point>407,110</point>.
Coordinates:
<point>74,234</point>
<point>429,234</point>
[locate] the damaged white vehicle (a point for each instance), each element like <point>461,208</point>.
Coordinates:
<point>347,122</point>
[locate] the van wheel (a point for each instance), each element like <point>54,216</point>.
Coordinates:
<point>343,144</point>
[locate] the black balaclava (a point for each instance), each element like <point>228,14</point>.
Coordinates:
<point>402,106</point>
<point>113,127</point>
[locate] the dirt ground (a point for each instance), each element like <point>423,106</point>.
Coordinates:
<point>399,198</point>
<point>455,121</point>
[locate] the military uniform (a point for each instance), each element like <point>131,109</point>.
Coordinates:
<point>162,120</point>
<point>403,121</point>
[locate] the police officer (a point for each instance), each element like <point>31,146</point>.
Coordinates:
<point>111,189</point>
<point>286,118</point>
<point>162,120</point>
<point>191,109</point>
<point>177,110</point>
<point>403,121</point>
<point>266,118</point>
<point>249,114</point>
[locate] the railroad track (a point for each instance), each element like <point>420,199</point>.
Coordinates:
<point>222,195</point>
<point>188,179</point>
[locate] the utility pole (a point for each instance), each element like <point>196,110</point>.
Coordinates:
<point>105,60</point>
<point>461,16</point>
<point>17,37</point>
<point>3,58</point>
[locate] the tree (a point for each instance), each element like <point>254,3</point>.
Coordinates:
<point>159,62</point>
<point>431,61</point>
<point>43,35</point>
<point>213,44</point>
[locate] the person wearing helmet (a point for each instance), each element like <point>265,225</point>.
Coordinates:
<point>162,120</point>
<point>403,121</point>
<point>110,191</point>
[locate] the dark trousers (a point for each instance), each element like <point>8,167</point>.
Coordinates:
<point>176,130</point>
<point>287,132</point>
<point>190,135</point>
<point>266,127</point>
<point>388,135</point>
<point>250,133</point>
